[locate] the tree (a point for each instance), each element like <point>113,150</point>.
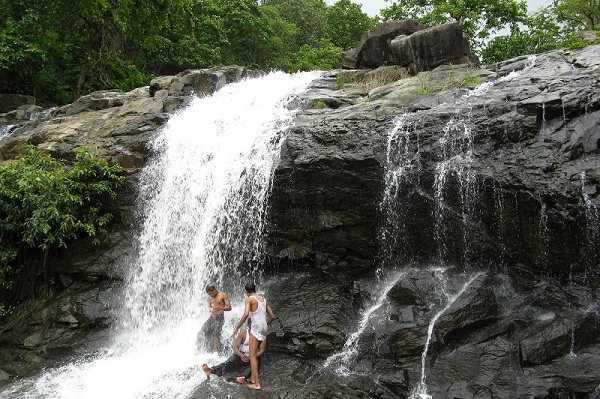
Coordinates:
<point>478,18</point>
<point>539,33</point>
<point>346,23</point>
<point>64,48</point>
<point>44,205</point>
<point>309,16</point>
<point>579,14</point>
<point>324,57</point>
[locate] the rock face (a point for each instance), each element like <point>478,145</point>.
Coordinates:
<point>427,49</point>
<point>373,48</point>
<point>10,102</point>
<point>408,44</point>
<point>444,225</point>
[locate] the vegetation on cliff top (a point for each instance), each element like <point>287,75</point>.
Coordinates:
<point>59,50</point>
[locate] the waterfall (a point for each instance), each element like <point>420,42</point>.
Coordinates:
<point>5,130</point>
<point>402,166</point>
<point>457,145</point>
<point>203,196</point>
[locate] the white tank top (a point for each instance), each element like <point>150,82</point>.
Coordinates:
<point>259,320</point>
<point>245,346</point>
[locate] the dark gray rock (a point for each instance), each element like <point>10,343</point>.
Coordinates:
<point>373,48</point>
<point>10,102</point>
<point>429,48</point>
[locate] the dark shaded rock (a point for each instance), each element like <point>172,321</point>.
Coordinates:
<point>373,50</point>
<point>475,306</point>
<point>552,342</point>
<point>429,48</point>
<point>323,207</point>
<point>396,382</point>
<point>313,311</point>
<point>488,369</point>
<point>408,341</point>
<point>10,102</point>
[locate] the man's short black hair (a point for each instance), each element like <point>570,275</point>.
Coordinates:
<point>210,287</point>
<point>250,287</point>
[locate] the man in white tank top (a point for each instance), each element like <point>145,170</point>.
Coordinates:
<point>258,309</point>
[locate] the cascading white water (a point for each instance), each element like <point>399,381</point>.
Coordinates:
<point>457,155</point>
<point>5,130</point>
<point>204,199</point>
<point>402,165</point>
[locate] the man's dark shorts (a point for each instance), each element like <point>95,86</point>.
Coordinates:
<point>213,326</point>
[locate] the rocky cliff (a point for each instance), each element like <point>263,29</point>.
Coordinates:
<point>464,200</point>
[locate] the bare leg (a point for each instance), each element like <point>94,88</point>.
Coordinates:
<point>254,343</point>
<point>216,344</point>
<point>207,370</point>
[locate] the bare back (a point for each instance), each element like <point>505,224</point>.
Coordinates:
<point>254,304</point>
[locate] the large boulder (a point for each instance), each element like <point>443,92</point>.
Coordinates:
<point>373,49</point>
<point>10,102</point>
<point>430,48</point>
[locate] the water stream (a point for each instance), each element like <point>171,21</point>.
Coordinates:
<point>204,199</point>
<point>420,391</point>
<point>344,359</point>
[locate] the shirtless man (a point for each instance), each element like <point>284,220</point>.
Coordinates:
<point>211,330</point>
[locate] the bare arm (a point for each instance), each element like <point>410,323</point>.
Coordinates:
<point>244,316</point>
<point>238,341</point>
<point>270,313</point>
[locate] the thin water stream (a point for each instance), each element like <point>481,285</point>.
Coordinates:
<point>420,391</point>
<point>343,360</point>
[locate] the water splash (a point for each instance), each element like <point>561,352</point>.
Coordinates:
<point>204,195</point>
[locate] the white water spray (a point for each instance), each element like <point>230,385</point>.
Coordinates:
<point>204,196</point>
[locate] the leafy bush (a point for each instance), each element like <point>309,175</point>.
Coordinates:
<point>45,204</point>
<point>325,57</point>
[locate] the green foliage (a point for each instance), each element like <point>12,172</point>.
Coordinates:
<point>539,33</point>
<point>578,14</point>
<point>471,80</point>
<point>58,52</point>
<point>576,42</point>
<point>45,204</point>
<point>326,56</point>
<point>347,23</point>
<point>308,16</point>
